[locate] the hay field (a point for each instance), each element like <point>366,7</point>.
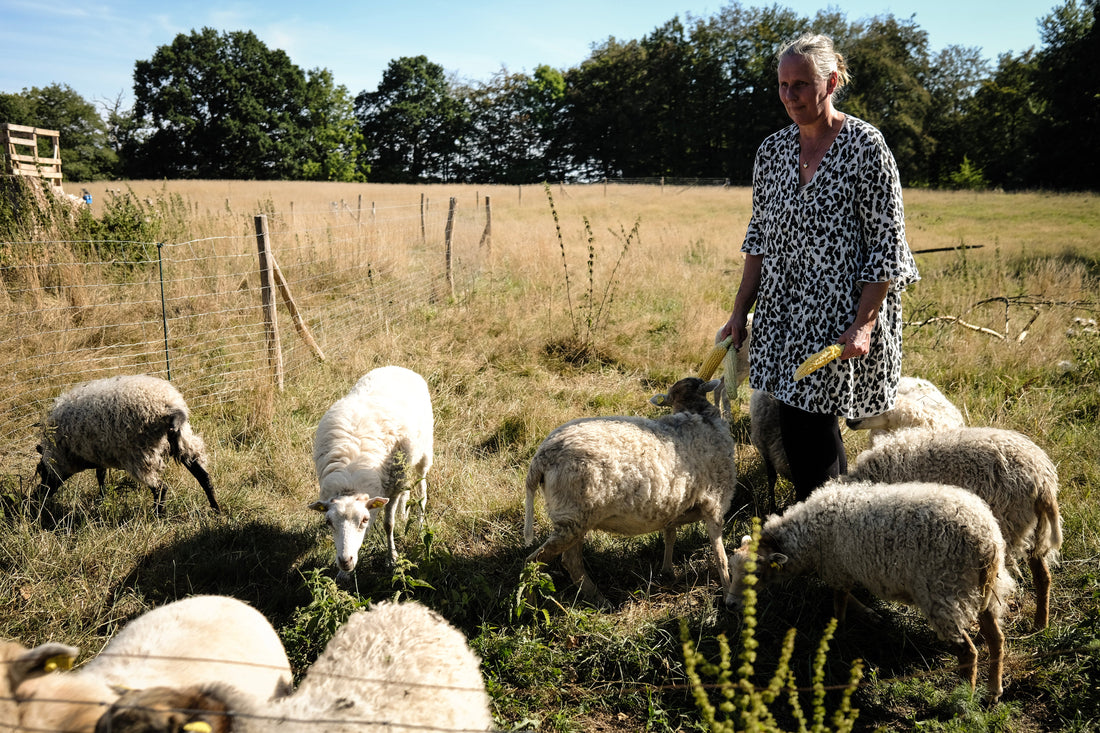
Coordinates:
<point>543,329</point>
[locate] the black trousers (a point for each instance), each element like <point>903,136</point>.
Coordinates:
<point>814,447</point>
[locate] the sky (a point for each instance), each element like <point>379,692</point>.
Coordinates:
<point>92,46</point>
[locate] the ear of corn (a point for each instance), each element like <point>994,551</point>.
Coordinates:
<point>714,358</point>
<point>818,360</point>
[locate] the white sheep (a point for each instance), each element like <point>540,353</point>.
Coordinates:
<point>1005,468</point>
<point>133,422</point>
<point>396,667</point>
<point>932,546</point>
<point>369,448</point>
<point>920,404</point>
<point>191,641</point>
<point>634,475</point>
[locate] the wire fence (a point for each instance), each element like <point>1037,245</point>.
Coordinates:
<point>191,310</point>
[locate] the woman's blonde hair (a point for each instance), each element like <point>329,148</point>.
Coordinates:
<point>818,49</point>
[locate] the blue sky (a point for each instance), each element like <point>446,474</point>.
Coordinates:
<point>92,46</point>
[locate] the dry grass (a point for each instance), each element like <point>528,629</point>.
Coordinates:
<point>502,371</point>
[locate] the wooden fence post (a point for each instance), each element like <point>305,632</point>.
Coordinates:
<point>487,235</point>
<point>447,239</point>
<point>423,234</point>
<point>267,298</point>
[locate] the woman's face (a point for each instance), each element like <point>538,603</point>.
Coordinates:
<point>802,91</point>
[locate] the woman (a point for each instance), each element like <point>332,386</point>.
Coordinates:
<point>825,262</point>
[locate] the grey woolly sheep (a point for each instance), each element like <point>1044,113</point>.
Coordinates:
<point>920,404</point>
<point>1006,469</point>
<point>396,667</point>
<point>633,475</point>
<point>134,423</point>
<point>369,447</point>
<point>194,640</point>
<point>932,546</point>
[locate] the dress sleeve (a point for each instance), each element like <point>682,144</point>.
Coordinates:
<point>754,236</point>
<point>882,217</point>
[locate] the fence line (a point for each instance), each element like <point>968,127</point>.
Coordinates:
<point>67,319</point>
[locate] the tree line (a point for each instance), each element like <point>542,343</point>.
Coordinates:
<point>693,98</point>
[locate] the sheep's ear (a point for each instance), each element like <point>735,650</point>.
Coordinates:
<point>745,541</point>
<point>319,506</point>
<point>41,660</point>
<point>709,386</point>
<point>776,560</point>
<point>377,502</point>
<point>661,400</point>
<point>38,448</point>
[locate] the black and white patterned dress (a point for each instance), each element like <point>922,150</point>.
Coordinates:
<point>819,244</point>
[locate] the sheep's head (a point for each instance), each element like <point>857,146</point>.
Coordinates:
<point>166,710</point>
<point>769,563</point>
<point>688,395</point>
<point>349,518</point>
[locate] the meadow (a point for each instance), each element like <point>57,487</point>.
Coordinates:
<point>589,306</point>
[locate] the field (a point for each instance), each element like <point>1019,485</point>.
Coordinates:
<point>549,325</point>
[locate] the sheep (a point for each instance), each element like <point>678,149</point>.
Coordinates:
<point>933,546</point>
<point>131,422</point>
<point>194,640</point>
<point>634,475</point>
<point>1006,469</point>
<point>396,667</point>
<point>919,404</point>
<point>368,448</point>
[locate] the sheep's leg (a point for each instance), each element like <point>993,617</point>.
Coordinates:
<point>968,660</point>
<point>160,491</point>
<point>1040,575</point>
<point>567,542</point>
<point>995,640</point>
<point>422,499</point>
<point>670,541</point>
<point>101,478</point>
<point>714,530</point>
<point>773,478</point>
<point>203,478</point>
<point>388,520</point>
<point>840,604</point>
<point>851,604</point>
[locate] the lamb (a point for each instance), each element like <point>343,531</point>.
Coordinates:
<point>1006,469</point>
<point>920,404</point>
<point>396,667</point>
<point>132,422</point>
<point>933,546</point>
<point>634,475</point>
<point>369,448</point>
<point>194,640</point>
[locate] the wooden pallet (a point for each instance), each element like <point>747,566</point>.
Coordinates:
<point>21,156</point>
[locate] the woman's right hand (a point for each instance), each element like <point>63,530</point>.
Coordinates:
<point>735,327</point>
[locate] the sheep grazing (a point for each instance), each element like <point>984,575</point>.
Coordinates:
<point>933,546</point>
<point>191,641</point>
<point>634,475</point>
<point>369,448</point>
<point>396,667</point>
<point>1006,469</point>
<point>134,422</point>
<point>920,404</point>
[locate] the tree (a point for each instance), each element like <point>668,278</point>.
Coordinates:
<point>85,152</point>
<point>333,141</point>
<point>225,106</point>
<point>1068,142</point>
<point>412,124</point>
<point>955,75</point>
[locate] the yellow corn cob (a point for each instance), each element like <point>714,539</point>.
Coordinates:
<point>818,360</point>
<point>714,358</point>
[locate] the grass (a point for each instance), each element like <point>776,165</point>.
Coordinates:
<point>500,381</point>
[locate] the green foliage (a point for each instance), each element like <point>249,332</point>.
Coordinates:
<point>213,105</point>
<point>313,625</point>
<point>968,177</point>
<point>746,708</point>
